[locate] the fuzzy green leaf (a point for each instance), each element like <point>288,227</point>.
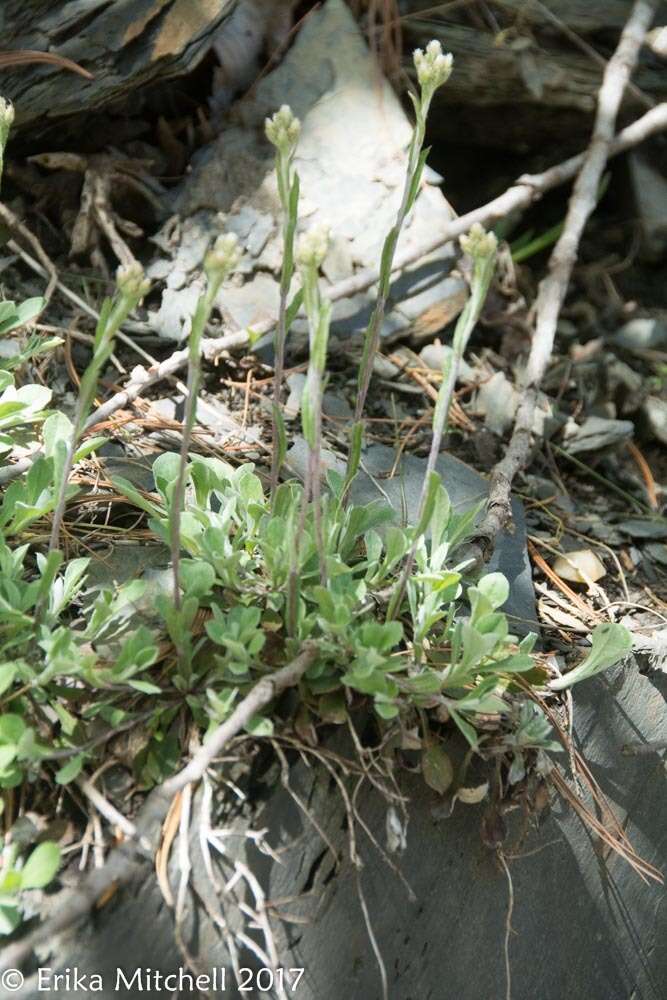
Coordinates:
<point>610,643</point>
<point>437,769</point>
<point>41,866</point>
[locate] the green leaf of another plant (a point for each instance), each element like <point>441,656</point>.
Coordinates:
<point>609,644</point>
<point>437,769</point>
<point>41,866</point>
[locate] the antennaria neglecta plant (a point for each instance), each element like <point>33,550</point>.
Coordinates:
<point>311,252</point>
<point>481,247</point>
<point>219,263</point>
<point>131,286</point>
<point>258,575</point>
<point>433,70</point>
<point>283,131</point>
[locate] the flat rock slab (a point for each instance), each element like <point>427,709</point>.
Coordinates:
<point>583,923</point>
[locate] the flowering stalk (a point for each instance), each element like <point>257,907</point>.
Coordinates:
<point>219,263</point>
<point>282,130</point>
<point>481,247</point>
<point>6,122</point>
<point>311,252</point>
<point>433,70</point>
<point>131,286</point>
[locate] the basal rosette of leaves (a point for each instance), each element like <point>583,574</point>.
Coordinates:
<point>70,669</point>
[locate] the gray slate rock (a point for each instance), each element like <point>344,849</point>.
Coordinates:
<point>595,433</point>
<point>642,332</point>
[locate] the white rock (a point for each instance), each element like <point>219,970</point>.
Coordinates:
<point>655,411</point>
<point>582,566</point>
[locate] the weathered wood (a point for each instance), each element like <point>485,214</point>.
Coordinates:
<point>535,77</point>
<point>125,44</point>
<point>512,87</point>
<point>586,17</point>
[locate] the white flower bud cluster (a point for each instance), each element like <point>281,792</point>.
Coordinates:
<point>433,67</point>
<point>223,257</point>
<point>478,243</point>
<point>6,121</point>
<point>313,246</point>
<point>283,129</point>
<point>131,282</point>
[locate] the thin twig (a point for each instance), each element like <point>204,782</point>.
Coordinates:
<point>106,809</point>
<point>508,926</point>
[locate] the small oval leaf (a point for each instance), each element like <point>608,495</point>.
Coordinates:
<point>437,769</point>
<point>41,866</point>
